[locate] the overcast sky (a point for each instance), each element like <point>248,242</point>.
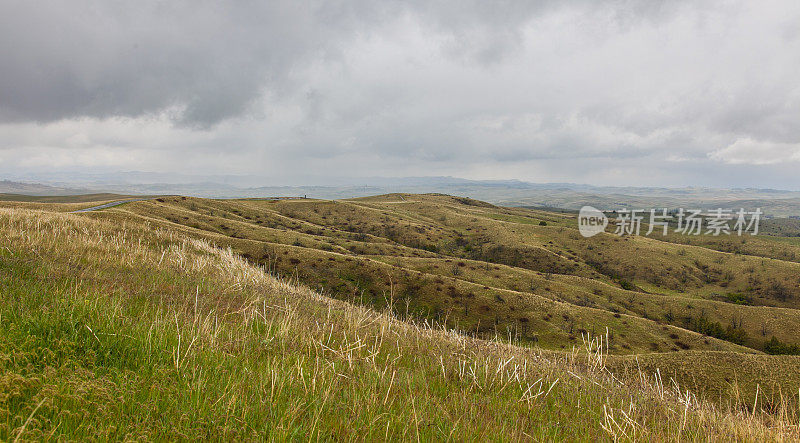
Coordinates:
<point>620,93</point>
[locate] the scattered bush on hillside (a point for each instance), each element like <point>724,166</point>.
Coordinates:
<point>733,333</point>
<point>779,291</point>
<point>626,285</point>
<point>739,299</point>
<point>776,347</point>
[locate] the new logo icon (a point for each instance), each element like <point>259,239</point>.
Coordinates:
<point>591,221</point>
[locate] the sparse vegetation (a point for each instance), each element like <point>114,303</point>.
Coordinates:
<point>777,347</point>
<point>139,323</point>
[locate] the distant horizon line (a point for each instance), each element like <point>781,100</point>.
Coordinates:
<point>60,179</point>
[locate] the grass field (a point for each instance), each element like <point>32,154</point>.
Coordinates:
<point>392,317</point>
<point>491,269</point>
<point>82,198</point>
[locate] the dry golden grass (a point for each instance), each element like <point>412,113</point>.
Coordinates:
<point>334,246</point>
<point>132,331</point>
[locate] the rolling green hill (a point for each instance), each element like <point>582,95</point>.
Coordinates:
<point>495,271</point>
<point>167,307</point>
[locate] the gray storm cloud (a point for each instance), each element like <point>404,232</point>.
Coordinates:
<point>99,59</point>
<point>479,89</point>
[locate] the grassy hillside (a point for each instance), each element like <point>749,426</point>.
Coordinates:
<point>82,198</point>
<point>122,327</point>
<point>61,203</point>
<point>500,271</point>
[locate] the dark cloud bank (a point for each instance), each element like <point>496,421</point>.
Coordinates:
<point>658,93</point>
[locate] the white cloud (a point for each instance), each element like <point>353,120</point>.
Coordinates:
<point>753,152</point>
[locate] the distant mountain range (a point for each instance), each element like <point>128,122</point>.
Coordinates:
<point>779,203</point>
<point>12,187</point>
